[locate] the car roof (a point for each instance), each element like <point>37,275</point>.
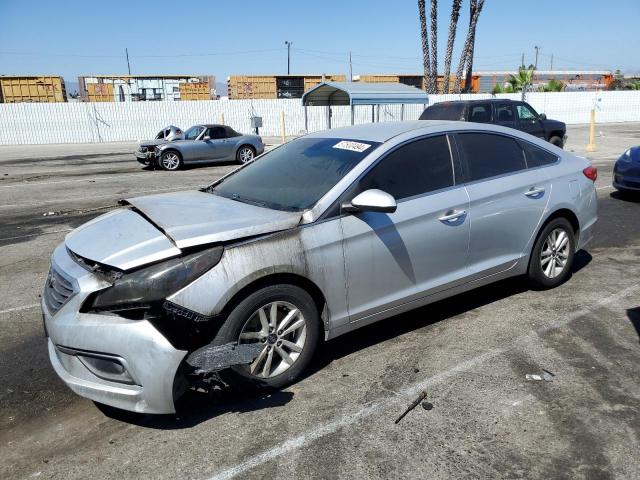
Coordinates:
<point>490,100</point>
<point>376,132</point>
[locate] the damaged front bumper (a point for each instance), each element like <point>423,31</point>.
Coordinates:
<point>145,157</point>
<point>120,362</point>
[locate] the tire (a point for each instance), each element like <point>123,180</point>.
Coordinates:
<point>544,274</point>
<point>557,141</point>
<point>245,319</point>
<point>245,154</point>
<point>170,161</point>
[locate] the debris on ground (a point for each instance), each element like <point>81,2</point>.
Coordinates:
<point>413,405</point>
<point>427,405</point>
<point>546,375</point>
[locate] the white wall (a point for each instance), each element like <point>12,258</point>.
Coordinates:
<point>33,123</point>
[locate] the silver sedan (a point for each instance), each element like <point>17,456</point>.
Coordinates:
<point>325,234</point>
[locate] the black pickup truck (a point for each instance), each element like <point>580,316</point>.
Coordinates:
<point>508,113</point>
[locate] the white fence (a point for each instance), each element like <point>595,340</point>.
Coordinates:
<point>38,123</point>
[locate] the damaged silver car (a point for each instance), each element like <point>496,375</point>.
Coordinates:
<point>200,144</point>
<point>146,150</point>
<point>323,235</point>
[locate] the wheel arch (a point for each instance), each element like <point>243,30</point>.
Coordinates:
<point>279,278</point>
<point>563,212</point>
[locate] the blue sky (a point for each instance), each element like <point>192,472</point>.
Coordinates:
<point>71,38</point>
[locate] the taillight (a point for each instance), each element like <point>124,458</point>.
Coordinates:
<point>591,173</point>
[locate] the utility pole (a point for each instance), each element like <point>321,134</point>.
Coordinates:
<point>350,68</point>
<point>288,44</point>
<point>536,64</point>
<point>522,61</point>
<point>552,62</point>
<point>126,50</point>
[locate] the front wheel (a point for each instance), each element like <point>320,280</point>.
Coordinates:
<point>284,320</point>
<point>170,161</point>
<point>245,154</point>
<point>552,256</point>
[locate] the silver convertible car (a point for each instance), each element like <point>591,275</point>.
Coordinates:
<point>200,144</point>
<point>329,232</point>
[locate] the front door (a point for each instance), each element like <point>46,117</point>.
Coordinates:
<point>216,146</point>
<point>421,248</point>
<point>507,200</point>
<point>528,120</point>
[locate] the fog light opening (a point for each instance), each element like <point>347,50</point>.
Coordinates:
<point>107,368</point>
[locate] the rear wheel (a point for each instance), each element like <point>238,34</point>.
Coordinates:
<point>245,154</point>
<point>170,160</point>
<point>552,256</point>
<point>557,141</point>
<point>284,320</point>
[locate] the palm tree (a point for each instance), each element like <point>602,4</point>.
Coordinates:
<point>433,77</point>
<point>426,63</point>
<point>554,86</point>
<point>453,25</point>
<point>466,56</point>
<point>521,80</point>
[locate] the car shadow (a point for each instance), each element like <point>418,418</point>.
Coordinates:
<point>631,197</point>
<point>195,407</point>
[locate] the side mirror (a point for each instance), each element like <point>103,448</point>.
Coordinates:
<point>542,116</point>
<point>207,138</point>
<point>372,200</point>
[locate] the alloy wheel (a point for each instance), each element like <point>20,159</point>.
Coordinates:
<point>170,161</point>
<point>245,154</point>
<point>282,329</point>
<point>555,253</point>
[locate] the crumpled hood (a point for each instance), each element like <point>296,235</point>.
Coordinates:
<point>160,226</point>
<point>152,143</point>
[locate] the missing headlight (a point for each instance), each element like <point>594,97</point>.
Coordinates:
<point>142,288</point>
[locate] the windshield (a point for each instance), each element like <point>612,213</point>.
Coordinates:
<point>193,132</point>
<point>443,111</point>
<point>296,175</point>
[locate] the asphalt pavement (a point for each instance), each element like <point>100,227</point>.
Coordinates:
<point>470,354</point>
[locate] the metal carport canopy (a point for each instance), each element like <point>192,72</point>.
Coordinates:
<point>361,93</point>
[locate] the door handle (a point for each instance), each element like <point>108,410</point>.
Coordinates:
<point>452,215</point>
<point>534,191</point>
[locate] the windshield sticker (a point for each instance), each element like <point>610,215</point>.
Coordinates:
<point>353,146</point>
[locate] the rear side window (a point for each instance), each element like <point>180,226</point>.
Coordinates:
<point>537,157</point>
<point>480,112</point>
<point>488,155</point>
<point>419,167</point>
<point>443,111</point>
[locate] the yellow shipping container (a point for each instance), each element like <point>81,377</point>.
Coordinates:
<point>32,89</point>
<point>265,86</point>
<point>195,91</point>
<point>100,92</point>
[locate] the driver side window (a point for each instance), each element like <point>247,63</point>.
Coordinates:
<point>217,133</point>
<point>525,113</point>
<point>419,167</point>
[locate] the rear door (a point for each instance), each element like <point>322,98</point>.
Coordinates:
<point>507,200</point>
<point>421,248</point>
<point>479,112</point>
<point>504,115</point>
<point>528,120</point>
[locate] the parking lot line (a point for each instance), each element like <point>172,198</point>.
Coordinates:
<point>350,418</point>
<point>17,309</point>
